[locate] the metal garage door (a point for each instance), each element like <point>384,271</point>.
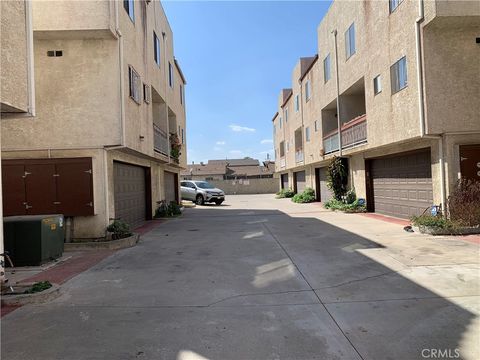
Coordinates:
<point>325,193</point>
<point>299,177</point>
<point>130,194</point>
<point>171,186</point>
<point>402,184</point>
<point>284,179</point>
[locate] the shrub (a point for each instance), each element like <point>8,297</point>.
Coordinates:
<point>38,287</point>
<point>350,196</point>
<point>436,222</point>
<point>285,193</point>
<point>119,229</point>
<point>307,196</point>
<point>337,177</point>
<point>354,207</point>
<point>164,210</point>
<point>463,204</point>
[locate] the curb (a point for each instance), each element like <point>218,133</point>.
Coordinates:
<point>36,298</point>
<point>104,245</point>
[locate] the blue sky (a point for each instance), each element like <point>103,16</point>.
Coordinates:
<point>236,57</point>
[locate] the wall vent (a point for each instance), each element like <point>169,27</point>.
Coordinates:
<point>54,53</point>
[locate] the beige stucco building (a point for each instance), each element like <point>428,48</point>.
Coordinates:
<point>406,78</point>
<point>110,107</point>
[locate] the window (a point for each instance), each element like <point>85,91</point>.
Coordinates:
<point>280,123</point>
<point>316,125</point>
<point>183,136</point>
<point>350,41</point>
<point>286,114</point>
<point>377,85</point>
<point>146,93</point>
<point>170,75</point>
<point>282,149</point>
<point>182,94</point>
<point>307,134</point>
<point>398,75</point>
<point>394,4</point>
<point>156,48</point>
<point>307,91</point>
<point>54,53</point>
<point>326,68</point>
<point>274,129</point>
<point>134,85</point>
<point>129,6</point>
<point>288,147</point>
<point>297,105</point>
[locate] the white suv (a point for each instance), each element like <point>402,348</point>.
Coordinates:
<point>201,192</point>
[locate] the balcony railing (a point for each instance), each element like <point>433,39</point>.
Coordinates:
<point>299,156</point>
<point>353,132</point>
<point>160,140</point>
<point>282,163</point>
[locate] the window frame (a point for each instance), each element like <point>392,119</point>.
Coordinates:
<point>280,122</point>
<point>156,49</point>
<point>308,92</point>
<point>170,75</point>
<point>349,36</point>
<point>316,125</point>
<point>129,6</point>
<point>134,82</point>
<point>326,62</point>
<point>395,75</point>
<point>307,134</point>
<point>282,148</point>
<point>397,4</point>
<point>376,88</point>
<point>147,99</point>
<point>182,95</point>
<point>286,114</point>
<point>297,103</point>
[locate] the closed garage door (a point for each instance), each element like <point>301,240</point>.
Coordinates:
<point>171,186</point>
<point>325,192</point>
<point>284,178</point>
<point>130,194</point>
<point>402,184</point>
<point>299,181</point>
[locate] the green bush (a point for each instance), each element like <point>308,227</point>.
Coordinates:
<point>38,287</point>
<point>350,196</point>
<point>164,210</point>
<point>353,207</point>
<point>285,193</point>
<point>119,229</point>
<point>436,222</point>
<point>307,196</point>
<point>337,177</point>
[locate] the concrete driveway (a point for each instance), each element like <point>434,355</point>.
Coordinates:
<point>260,278</point>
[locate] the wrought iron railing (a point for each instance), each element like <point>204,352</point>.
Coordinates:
<point>160,140</point>
<point>353,132</point>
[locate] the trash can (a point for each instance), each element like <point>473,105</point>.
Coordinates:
<point>33,239</point>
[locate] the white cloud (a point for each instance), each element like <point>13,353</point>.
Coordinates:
<point>266,141</point>
<point>221,142</point>
<point>238,128</point>
<point>236,152</point>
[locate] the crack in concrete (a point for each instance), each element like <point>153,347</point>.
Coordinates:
<point>259,294</point>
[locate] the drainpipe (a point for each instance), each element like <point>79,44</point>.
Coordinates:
<point>166,67</point>
<point>120,64</point>
<point>334,32</point>
<point>421,102</point>
<point>30,58</point>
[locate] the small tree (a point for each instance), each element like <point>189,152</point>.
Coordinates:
<point>337,177</point>
<point>463,204</point>
<point>175,147</point>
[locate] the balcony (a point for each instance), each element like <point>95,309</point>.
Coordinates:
<point>282,163</point>
<point>160,140</point>
<point>353,133</point>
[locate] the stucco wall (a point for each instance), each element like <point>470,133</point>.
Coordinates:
<point>13,69</point>
<point>247,186</point>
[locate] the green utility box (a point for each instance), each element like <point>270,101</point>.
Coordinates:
<point>34,239</point>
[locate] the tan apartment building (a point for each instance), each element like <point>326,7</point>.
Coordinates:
<point>394,89</point>
<point>109,117</point>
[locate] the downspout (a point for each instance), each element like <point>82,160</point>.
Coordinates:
<point>339,128</point>
<point>421,101</point>
<point>121,73</point>
<point>303,129</point>
<point>167,74</point>
<point>30,58</point>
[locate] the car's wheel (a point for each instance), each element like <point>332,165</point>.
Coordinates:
<point>219,202</point>
<point>200,200</point>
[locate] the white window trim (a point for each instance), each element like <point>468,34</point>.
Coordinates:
<point>134,85</point>
<point>308,92</point>
<point>377,80</point>
<point>348,42</point>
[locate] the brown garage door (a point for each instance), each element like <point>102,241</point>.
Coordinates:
<point>171,186</point>
<point>130,193</point>
<point>299,178</point>
<point>284,179</point>
<point>325,192</point>
<point>402,184</point>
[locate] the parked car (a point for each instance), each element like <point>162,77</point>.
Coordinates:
<point>201,192</point>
